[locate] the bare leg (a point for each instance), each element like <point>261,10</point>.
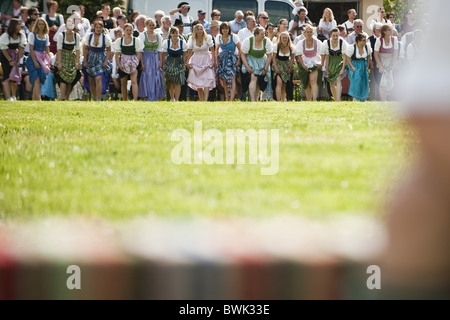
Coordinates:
<point>333,90</point>
<point>37,90</point>
<point>252,88</point>
<point>123,88</point>
<point>233,88</point>
<point>92,88</point>
<point>62,89</point>
<point>98,87</point>
<point>279,88</point>
<point>200,94</point>
<point>6,90</point>
<point>68,91</point>
<point>172,91</point>
<point>134,85</point>
<point>313,82</point>
<point>283,92</point>
<point>339,89</point>
<point>205,94</point>
<point>177,91</point>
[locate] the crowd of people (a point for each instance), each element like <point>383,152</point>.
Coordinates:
<point>177,57</point>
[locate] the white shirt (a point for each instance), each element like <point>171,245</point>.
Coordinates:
<point>326,49</point>
<point>351,50</point>
<point>63,28</point>
<point>31,39</point>
<point>186,19</point>
<point>159,39</point>
<point>327,27</point>
<point>192,45</point>
<point>244,33</point>
<point>165,46</point>
<point>378,44</point>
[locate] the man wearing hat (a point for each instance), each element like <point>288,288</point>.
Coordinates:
<point>201,18</point>
<point>181,13</point>
<point>238,23</point>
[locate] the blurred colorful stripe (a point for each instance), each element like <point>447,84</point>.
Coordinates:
<point>279,258</point>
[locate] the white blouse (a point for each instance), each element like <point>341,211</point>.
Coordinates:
<point>59,41</point>
<point>246,46</point>
<point>138,45</point>
<point>165,45</point>
<point>326,49</point>
<point>351,50</point>
<point>192,44</point>
<point>31,39</point>
<point>5,40</point>
<point>100,41</point>
<point>299,47</point>
<point>275,48</point>
<point>378,44</point>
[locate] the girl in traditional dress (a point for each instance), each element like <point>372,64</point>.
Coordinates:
<point>201,63</point>
<point>128,53</point>
<point>151,84</point>
<point>334,50</point>
<point>12,45</point>
<point>227,60</point>
<point>38,62</point>
<point>256,57</point>
<point>308,52</point>
<point>68,60</point>
<point>283,63</point>
<point>174,57</point>
<point>359,60</point>
<point>96,52</point>
<point>386,56</point>
<point>54,21</point>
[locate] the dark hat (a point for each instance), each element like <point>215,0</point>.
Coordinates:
<point>178,22</point>
<point>182,3</point>
<point>201,11</point>
<point>120,16</point>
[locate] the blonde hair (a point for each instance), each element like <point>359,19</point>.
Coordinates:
<point>258,30</point>
<point>384,28</point>
<point>148,20</point>
<point>36,28</point>
<point>194,32</point>
<point>331,14</point>
<point>279,39</point>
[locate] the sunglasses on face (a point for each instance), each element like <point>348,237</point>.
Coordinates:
<point>217,15</point>
<point>265,18</point>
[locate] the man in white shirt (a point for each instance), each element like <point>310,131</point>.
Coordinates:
<point>247,31</point>
<point>238,23</point>
<point>166,22</point>
<point>349,24</point>
<point>358,24</point>
<point>181,13</point>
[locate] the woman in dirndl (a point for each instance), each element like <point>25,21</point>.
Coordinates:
<point>386,57</point>
<point>54,21</point>
<point>256,58</point>
<point>38,62</point>
<point>310,59</point>
<point>151,84</point>
<point>334,50</point>
<point>12,45</point>
<point>359,60</point>
<point>128,54</point>
<point>227,61</point>
<point>201,61</point>
<point>283,64</point>
<point>68,60</point>
<point>174,57</point>
<point>96,64</point>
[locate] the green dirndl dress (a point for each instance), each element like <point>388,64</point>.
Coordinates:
<point>336,62</point>
<point>174,65</point>
<point>68,74</point>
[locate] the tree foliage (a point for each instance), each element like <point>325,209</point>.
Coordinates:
<point>400,7</point>
<point>92,6</point>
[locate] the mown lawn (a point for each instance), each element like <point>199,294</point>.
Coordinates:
<point>113,159</point>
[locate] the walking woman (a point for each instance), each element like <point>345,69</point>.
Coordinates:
<point>38,62</point>
<point>174,57</point>
<point>308,52</point>
<point>256,57</point>
<point>68,58</point>
<point>283,64</point>
<point>386,57</point>
<point>327,23</point>
<point>12,45</point>
<point>201,57</point>
<point>359,60</point>
<point>96,64</point>
<point>334,50</point>
<point>151,84</point>
<point>128,54</point>
<point>227,60</point>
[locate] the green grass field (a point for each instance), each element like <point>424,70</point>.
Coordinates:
<point>113,159</point>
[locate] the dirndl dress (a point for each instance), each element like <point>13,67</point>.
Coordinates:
<point>128,59</point>
<point>227,60</point>
<point>68,74</point>
<point>95,58</point>
<point>359,79</point>
<point>310,60</point>
<point>336,62</point>
<point>202,74</point>
<point>256,59</point>
<point>386,56</point>
<point>11,73</point>
<point>174,64</point>
<point>151,84</point>
<point>42,58</point>
<point>283,64</point>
